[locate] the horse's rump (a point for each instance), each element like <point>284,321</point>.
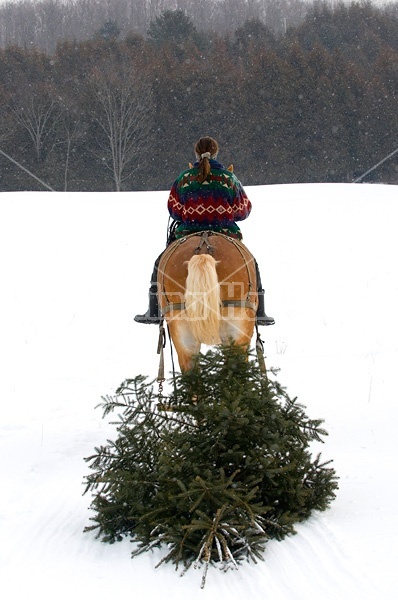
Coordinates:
<point>235,268</point>
<point>207,290</point>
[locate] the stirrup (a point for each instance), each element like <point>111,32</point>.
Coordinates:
<point>148,319</point>
<point>264,320</point>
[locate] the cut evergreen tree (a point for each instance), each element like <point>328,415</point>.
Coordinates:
<point>224,469</point>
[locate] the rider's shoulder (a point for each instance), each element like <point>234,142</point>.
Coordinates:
<point>186,174</point>
<point>226,171</point>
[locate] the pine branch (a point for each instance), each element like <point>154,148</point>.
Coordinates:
<point>212,480</point>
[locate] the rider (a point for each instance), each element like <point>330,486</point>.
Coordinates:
<point>206,197</point>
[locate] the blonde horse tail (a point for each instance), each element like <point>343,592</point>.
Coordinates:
<point>202,299</point>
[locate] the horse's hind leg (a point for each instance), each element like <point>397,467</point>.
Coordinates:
<point>186,346</point>
<point>186,359</point>
<point>237,327</point>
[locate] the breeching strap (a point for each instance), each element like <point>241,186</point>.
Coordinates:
<point>161,344</point>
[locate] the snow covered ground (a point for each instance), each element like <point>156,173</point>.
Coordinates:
<point>74,272</point>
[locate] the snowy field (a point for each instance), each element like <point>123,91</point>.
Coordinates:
<point>74,272</point>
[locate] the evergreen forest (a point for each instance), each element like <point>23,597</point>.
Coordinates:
<point>103,96</point>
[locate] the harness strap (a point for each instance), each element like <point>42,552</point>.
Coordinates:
<point>260,353</point>
<point>244,303</point>
<point>161,345</point>
<point>173,306</point>
<point>181,305</point>
<point>204,241</point>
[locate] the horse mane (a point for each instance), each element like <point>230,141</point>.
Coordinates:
<point>202,299</point>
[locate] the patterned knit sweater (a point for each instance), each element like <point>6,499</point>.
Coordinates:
<point>214,204</point>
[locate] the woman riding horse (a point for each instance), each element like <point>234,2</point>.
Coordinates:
<point>206,197</point>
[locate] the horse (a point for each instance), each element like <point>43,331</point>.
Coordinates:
<point>207,293</point>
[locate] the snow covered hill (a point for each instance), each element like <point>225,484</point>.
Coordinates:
<point>74,271</point>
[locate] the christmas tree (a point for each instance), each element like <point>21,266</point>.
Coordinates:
<point>212,473</point>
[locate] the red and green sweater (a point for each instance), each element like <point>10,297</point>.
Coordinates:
<point>215,204</point>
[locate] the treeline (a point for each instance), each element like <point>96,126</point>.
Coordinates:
<point>119,113</point>
<point>42,24</point>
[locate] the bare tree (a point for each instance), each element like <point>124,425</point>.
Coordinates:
<point>35,110</point>
<point>123,115</point>
<point>71,129</point>
<point>71,132</point>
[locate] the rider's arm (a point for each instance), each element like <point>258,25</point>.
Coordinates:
<point>174,205</point>
<point>241,204</point>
